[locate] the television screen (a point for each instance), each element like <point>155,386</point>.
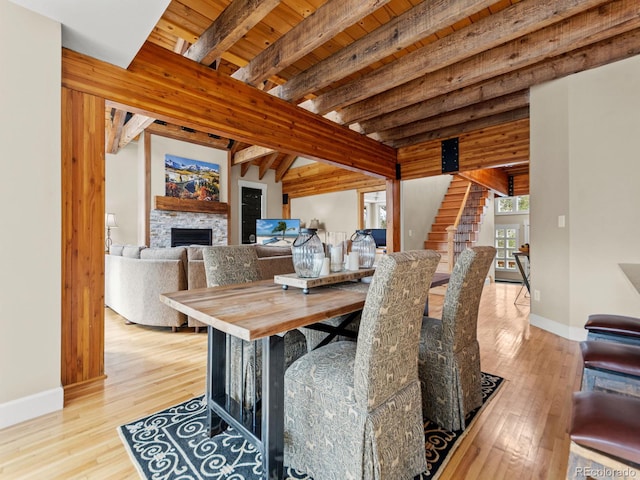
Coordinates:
<point>380,236</point>
<point>277,231</point>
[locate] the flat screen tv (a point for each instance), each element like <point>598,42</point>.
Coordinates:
<point>380,236</point>
<point>277,231</point>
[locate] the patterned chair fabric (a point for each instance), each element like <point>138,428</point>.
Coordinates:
<point>449,359</point>
<point>352,410</point>
<point>228,265</point>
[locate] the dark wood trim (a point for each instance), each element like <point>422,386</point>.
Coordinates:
<point>188,205</point>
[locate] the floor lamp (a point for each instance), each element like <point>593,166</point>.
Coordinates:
<point>110,222</point>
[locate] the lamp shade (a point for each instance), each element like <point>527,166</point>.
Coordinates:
<point>110,220</point>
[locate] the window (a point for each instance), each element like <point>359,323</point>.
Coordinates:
<point>512,205</point>
<point>506,242</point>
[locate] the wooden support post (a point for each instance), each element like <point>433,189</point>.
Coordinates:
<point>393,216</point>
<point>83,235</point>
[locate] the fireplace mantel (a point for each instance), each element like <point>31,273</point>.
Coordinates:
<point>186,205</point>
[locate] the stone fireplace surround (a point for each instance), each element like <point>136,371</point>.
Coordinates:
<point>161,222</point>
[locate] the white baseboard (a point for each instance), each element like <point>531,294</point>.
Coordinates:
<point>32,406</point>
<point>577,334</point>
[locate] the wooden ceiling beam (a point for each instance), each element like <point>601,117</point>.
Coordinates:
<point>325,23</point>
<point>284,166</point>
<point>266,164</point>
<point>234,22</point>
<point>470,126</point>
<point>492,178</point>
<point>489,32</point>
<point>244,168</point>
<point>203,99</point>
<point>178,133</point>
<point>134,127</point>
<point>114,129</point>
<point>402,135</point>
<point>592,56</point>
<point>413,25</point>
<point>318,178</point>
<point>589,27</point>
<point>250,153</point>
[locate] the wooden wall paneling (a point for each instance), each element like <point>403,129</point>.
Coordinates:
<point>489,147</point>
<point>83,235</point>
<point>198,97</point>
<point>521,184</point>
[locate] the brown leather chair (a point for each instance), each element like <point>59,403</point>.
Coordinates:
<point>613,328</point>
<point>604,435</point>
<point>611,367</point>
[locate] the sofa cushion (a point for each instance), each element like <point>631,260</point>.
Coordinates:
<point>116,250</point>
<point>172,253</point>
<point>132,251</point>
<point>194,252</point>
<point>272,251</point>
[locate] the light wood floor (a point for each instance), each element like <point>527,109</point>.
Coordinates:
<point>521,434</point>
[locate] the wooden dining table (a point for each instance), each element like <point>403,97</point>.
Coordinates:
<point>260,311</point>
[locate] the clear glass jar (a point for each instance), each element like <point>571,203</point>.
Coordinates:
<point>308,253</point>
<point>363,243</point>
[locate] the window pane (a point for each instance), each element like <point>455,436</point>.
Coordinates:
<point>500,253</point>
<point>523,203</point>
<point>511,243</point>
<point>505,204</point>
<point>511,233</point>
<point>511,264</point>
<point>500,232</point>
<point>510,253</point>
<point>500,264</point>
<point>499,243</point>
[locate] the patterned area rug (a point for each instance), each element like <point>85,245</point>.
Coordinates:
<point>172,445</point>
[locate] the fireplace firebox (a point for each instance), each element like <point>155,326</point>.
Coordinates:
<point>190,236</point>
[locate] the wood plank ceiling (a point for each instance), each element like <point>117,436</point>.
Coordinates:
<point>403,72</point>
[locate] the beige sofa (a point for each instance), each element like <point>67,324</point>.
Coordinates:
<point>136,276</point>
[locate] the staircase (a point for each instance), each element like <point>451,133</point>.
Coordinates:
<point>460,214</point>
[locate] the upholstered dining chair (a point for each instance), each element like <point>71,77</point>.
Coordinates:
<point>231,264</point>
<point>352,409</point>
<point>449,359</point>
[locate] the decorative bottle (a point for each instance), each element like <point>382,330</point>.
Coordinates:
<point>363,243</point>
<point>308,253</point>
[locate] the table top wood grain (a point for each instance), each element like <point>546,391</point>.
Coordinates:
<point>259,309</point>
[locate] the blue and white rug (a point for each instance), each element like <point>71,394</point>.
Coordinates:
<point>172,445</point>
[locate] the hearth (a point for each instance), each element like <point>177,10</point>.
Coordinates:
<point>190,236</point>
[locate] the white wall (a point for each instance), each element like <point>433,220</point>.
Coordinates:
<point>585,139</point>
<point>337,211</point>
<point>420,200</point>
<point>123,188</point>
<point>30,245</point>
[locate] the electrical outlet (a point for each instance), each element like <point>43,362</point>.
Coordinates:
<point>536,295</point>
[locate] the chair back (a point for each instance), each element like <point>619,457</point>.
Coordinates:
<point>462,299</point>
<point>389,335</point>
<point>230,264</point>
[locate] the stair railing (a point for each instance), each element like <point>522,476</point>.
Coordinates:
<point>453,229</point>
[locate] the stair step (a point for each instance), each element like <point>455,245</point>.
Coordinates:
<point>437,246</point>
